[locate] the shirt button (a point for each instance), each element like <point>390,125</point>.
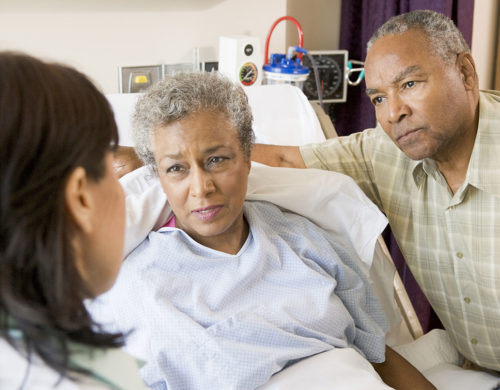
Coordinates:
<point>473,341</point>
<point>460,255</point>
<point>467,300</point>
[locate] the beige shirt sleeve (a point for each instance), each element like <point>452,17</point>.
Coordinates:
<point>352,155</point>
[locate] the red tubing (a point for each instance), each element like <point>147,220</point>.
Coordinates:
<point>299,30</point>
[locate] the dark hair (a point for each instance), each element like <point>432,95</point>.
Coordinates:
<point>52,120</point>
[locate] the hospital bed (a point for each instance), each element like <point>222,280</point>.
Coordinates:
<point>282,115</point>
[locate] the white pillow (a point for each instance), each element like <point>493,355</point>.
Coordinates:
<point>123,105</point>
<point>337,369</point>
<point>437,358</point>
<point>283,116</point>
<point>281,112</point>
<point>331,200</point>
<point>448,376</point>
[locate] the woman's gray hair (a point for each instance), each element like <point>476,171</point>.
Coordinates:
<point>182,95</point>
<point>445,38</point>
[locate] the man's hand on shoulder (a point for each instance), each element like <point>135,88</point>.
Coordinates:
<point>278,156</point>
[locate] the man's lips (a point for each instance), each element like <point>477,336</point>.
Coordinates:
<point>207,213</point>
<point>408,135</point>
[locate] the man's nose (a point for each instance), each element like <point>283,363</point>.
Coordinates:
<point>397,109</point>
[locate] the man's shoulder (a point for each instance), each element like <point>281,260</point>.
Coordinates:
<point>491,94</point>
<point>372,138</point>
<point>380,146</point>
<point>489,100</point>
<point>489,116</point>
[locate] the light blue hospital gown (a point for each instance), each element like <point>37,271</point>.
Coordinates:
<point>205,319</point>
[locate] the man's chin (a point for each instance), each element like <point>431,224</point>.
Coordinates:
<point>414,153</point>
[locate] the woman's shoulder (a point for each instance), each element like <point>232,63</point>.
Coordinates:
<point>276,218</point>
<point>297,230</point>
<point>261,209</point>
<point>17,373</point>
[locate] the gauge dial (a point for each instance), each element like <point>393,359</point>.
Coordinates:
<point>248,74</point>
<point>331,71</point>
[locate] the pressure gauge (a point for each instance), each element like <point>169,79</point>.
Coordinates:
<point>248,74</point>
<point>332,66</point>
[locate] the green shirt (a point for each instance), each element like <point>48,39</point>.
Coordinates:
<point>451,242</point>
<point>110,368</point>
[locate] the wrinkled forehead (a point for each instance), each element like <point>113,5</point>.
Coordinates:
<point>391,53</point>
<point>195,129</point>
<point>414,42</point>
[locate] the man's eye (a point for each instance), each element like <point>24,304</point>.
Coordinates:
<point>377,100</point>
<point>410,84</point>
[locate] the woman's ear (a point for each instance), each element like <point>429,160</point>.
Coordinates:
<point>249,165</point>
<point>78,200</point>
<point>467,69</point>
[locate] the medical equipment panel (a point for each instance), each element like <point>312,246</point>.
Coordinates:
<point>240,59</point>
<point>137,78</point>
<point>332,70</point>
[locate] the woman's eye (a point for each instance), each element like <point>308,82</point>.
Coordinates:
<point>216,160</point>
<point>174,169</point>
<point>377,100</point>
<point>410,84</point>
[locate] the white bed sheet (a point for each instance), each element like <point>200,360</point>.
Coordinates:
<point>338,369</point>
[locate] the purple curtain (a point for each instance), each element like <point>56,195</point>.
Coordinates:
<point>360,19</point>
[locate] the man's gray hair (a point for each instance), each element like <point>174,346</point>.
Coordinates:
<point>182,95</point>
<point>444,37</point>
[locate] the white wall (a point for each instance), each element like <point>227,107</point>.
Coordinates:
<point>97,36</point>
<point>484,35</point>
<point>320,22</point>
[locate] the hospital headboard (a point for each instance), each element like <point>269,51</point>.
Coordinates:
<point>291,121</point>
<point>283,115</point>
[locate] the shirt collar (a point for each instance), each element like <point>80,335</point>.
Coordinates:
<point>485,158</point>
<point>418,171</point>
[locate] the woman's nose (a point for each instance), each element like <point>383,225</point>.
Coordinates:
<point>201,183</point>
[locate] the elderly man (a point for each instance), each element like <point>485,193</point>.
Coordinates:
<point>432,166</point>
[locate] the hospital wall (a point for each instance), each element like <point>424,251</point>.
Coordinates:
<point>97,36</point>
<point>484,40</point>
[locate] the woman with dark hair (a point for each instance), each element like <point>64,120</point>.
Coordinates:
<point>61,233</point>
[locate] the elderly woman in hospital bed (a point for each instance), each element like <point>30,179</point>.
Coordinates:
<point>229,292</point>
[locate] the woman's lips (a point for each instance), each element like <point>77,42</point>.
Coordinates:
<point>207,213</point>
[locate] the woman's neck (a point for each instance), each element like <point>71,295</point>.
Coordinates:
<point>229,241</point>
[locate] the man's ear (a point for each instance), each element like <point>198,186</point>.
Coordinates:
<point>78,199</point>
<point>467,69</point>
